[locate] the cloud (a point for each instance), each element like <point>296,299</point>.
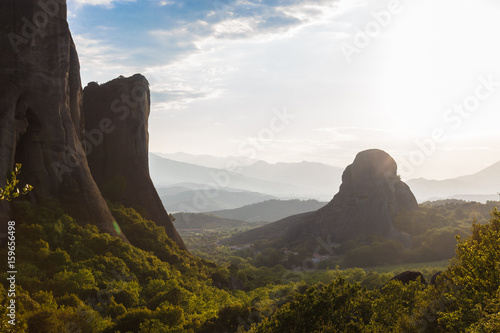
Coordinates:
<point>188,49</point>
<point>356,133</point>
<point>166,3</point>
<point>176,96</point>
<point>100,59</point>
<point>105,3</point>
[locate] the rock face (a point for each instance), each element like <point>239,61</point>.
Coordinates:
<point>435,278</point>
<point>408,276</point>
<point>40,117</point>
<point>370,196</point>
<point>116,140</point>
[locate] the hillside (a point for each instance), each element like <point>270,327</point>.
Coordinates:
<point>205,221</point>
<point>79,279</point>
<point>270,210</point>
<point>192,198</point>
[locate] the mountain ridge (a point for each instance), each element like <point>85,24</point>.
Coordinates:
<point>270,210</point>
<point>166,172</point>
<point>485,182</point>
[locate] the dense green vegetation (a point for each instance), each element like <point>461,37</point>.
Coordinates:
<point>72,278</point>
<point>465,298</point>
<point>207,221</point>
<point>432,230</point>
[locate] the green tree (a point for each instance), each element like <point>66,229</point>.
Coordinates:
<point>11,191</point>
<point>338,307</point>
<point>473,280</point>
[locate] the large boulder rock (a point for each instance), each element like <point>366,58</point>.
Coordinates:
<point>40,117</point>
<point>409,276</point>
<point>435,279</point>
<point>116,139</point>
<point>370,196</point>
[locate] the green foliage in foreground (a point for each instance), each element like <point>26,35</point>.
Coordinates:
<point>465,299</point>
<point>11,191</point>
<point>72,278</point>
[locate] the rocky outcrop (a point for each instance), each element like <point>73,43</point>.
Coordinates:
<point>435,279</point>
<point>40,117</point>
<point>370,196</point>
<point>408,276</point>
<point>116,141</point>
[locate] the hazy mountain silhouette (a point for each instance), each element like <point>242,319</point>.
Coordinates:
<point>481,186</point>
<point>208,161</point>
<point>270,210</point>
<point>196,200</point>
<point>166,172</point>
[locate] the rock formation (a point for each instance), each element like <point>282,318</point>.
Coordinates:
<point>435,279</point>
<point>116,140</point>
<point>370,196</point>
<point>40,117</point>
<point>42,124</point>
<point>408,276</point>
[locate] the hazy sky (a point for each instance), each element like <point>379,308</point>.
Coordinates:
<point>291,80</point>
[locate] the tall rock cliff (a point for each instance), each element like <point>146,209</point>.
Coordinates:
<point>42,124</point>
<point>116,140</point>
<point>370,196</point>
<point>40,118</point>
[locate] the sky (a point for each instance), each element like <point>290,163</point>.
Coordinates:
<point>314,80</point>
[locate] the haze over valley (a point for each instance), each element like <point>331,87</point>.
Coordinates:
<point>204,181</point>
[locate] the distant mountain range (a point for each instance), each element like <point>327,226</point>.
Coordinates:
<point>208,161</point>
<point>303,180</point>
<point>270,211</point>
<point>481,186</point>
